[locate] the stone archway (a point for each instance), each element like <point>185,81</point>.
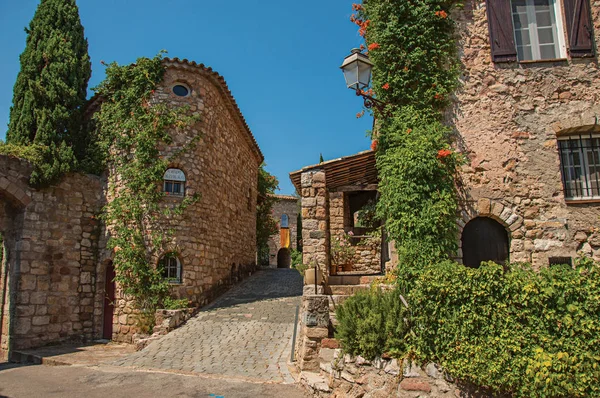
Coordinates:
<point>284,258</point>
<point>506,216</point>
<point>13,201</point>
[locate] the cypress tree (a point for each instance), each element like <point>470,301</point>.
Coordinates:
<point>50,90</point>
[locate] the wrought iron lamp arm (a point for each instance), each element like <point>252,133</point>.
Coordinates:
<point>371,102</point>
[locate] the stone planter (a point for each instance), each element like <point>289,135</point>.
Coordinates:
<point>309,277</point>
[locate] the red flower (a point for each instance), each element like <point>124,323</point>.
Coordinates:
<point>442,153</point>
<point>352,18</point>
<point>438,96</point>
<point>374,46</point>
<point>356,7</point>
<point>363,26</point>
<point>360,114</point>
<point>362,47</point>
<point>408,131</point>
<point>386,86</point>
<point>374,144</point>
<point>442,14</point>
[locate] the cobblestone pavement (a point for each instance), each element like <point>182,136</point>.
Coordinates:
<point>245,333</point>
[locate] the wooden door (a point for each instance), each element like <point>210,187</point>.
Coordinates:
<point>109,301</point>
<point>484,239</point>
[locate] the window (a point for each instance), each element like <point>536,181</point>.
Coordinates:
<point>180,90</point>
<point>171,268</point>
<point>285,221</point>
<point>535,29</point>
<point>530,30</point>
<point>174,182</point>
<point>580,165</point>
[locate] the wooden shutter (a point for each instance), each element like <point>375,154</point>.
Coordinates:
<point>579,28</point>
<point>500,24</point>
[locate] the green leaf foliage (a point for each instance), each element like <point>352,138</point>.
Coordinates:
<point>415,71</point>
<point>515,330</point>
<point>50,90</point>
<point>418,197</point>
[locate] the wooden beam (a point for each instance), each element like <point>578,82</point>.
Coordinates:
<point>353,188</point>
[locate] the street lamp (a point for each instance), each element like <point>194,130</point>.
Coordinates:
<point>357,72</point>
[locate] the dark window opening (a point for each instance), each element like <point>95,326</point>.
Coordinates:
<point>180,90</point>
<point>361,218</point>
<point>560,260</point>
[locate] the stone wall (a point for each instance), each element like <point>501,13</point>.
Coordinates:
<point>508,117</point>
<point>344,376</point>
<point>313,327</point>
<point>315,225</point>
<point>284,205</point>
<point>49,273</point>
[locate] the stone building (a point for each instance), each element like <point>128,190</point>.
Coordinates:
<point>526,118</point>
<point>56,280</point>
<point>337,197</point>
<point>285,213</point>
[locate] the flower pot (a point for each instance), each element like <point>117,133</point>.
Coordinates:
<point>309,277</point>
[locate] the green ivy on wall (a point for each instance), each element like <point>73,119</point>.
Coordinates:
<point>413,49</point>
<point>128,130</point>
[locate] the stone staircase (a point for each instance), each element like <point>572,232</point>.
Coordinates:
<point>340,287</point>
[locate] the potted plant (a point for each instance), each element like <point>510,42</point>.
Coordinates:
<point>342,252</point>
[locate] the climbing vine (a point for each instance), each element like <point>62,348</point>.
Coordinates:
<point>412,46</point>
<point>128,131</point>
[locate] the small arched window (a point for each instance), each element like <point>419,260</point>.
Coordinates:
<point>174,182</point>
<point>285,221</point>
<point>171,268</point>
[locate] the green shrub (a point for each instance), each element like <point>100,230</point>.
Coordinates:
<point>371,323</point>
<point>529,333</point>
<point>532,334</point>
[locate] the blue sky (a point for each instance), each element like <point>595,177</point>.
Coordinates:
<point>280,59</point>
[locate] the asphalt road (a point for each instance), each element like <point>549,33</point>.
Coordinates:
<point>21,381</point>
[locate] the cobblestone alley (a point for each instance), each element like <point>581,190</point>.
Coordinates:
<point>245,333</point>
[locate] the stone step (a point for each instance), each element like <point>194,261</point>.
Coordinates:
<point>351,279</point>
<point>345,290</point>
<point>28,358</point>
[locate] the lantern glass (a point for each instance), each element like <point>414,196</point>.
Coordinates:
<point>357,70</point>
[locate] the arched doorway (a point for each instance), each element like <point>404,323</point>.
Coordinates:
<point>284,258</point>
<point>109,301</point>
<point>484,239</point>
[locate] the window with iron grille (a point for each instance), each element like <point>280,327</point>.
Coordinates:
<point>580,166</point>
<point>171,268</point>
